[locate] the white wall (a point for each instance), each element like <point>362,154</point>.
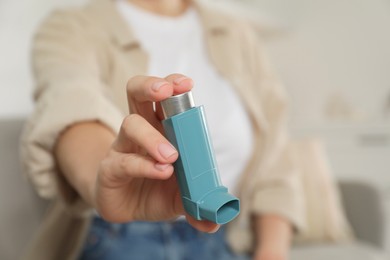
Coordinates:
<point>18,20</point>
<point>334,58</point>
<point>334,48</point>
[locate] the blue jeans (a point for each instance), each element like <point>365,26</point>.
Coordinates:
<point>154,240</point>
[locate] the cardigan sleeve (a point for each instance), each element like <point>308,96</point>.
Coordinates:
<point>278,187</point>
<point>68,89</point>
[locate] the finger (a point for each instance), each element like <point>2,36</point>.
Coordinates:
<point>181,83</point>
<point>203,225</point>
<point>148,89</point>
<point>136,131</point>
<point>142,91</point>
<point>121,166</point>
<point>177,201</point>
<point>159,111</point>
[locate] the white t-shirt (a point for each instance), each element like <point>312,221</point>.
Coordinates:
<point>176,45</point>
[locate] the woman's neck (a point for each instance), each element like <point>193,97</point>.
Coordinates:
<point>163,7</point>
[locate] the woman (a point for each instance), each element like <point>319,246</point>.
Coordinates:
<point>75,153</point>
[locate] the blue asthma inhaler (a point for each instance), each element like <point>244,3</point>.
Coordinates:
<point>203,195</point>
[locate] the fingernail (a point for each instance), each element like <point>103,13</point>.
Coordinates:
<point>157,85</point>
<point>166,150</point>
<point>161,166</point>
<point>183,81</point>
<point>215,229</point>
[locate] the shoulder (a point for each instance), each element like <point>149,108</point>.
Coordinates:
<point>67,21</point>
<point>62,17</point>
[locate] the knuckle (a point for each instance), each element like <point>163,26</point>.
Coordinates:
<point>129,121</point>
<point>150,80</point>
<point>105,173</point>
<point>124,162</point>
<point>174,75</point>
<point>132,164</point>
<point>105,166</point>
<point>140,84</point>
<point>138,165</point>
<point>130,83</point>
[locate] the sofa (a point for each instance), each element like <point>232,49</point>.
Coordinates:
<point>21,211</point>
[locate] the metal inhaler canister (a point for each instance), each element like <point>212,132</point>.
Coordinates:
<point>203,195</point>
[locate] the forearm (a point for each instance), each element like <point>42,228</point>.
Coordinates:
<point>79,151</point>
<point>273,237</point>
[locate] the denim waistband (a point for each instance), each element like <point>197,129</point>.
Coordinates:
<point>172,240</point>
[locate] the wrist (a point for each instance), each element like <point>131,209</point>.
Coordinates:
<point>262,253</point>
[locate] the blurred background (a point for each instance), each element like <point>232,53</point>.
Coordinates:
<point>332,55</point>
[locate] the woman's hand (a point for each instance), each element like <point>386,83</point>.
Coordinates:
<point>135,180</point>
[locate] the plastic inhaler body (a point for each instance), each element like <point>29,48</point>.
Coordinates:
<point>203,195</point>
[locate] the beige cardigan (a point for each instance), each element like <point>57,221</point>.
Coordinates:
<point>82,60</point>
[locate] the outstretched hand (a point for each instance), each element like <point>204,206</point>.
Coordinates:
<point>135,180</point>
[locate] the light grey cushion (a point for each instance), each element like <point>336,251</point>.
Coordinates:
<point>20,209</point>
<point>353,251</point>
<point>364,205</point>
